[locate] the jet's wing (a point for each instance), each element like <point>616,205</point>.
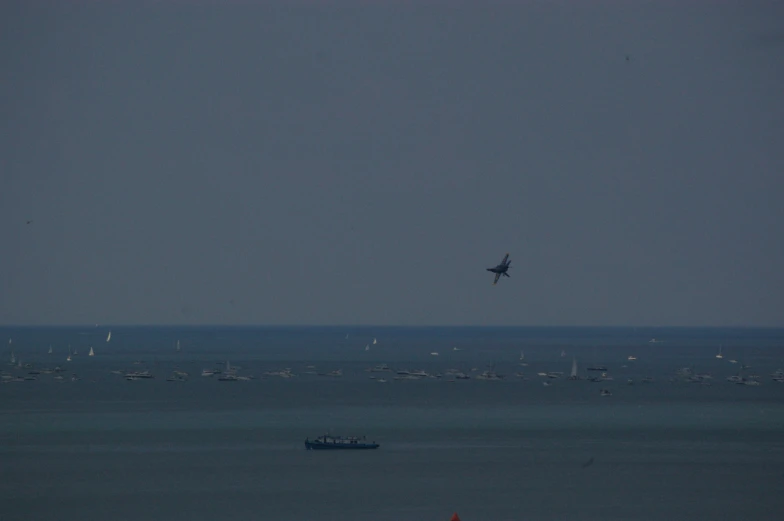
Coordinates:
<point>497,276</point>
<point>505,257</point>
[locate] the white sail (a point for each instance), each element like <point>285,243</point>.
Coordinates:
<point>374,341</point>
<point>50,350</point>
<point>719,355</point>
<point>13,357</point>
<point>367,347</point>
<point>91,353</point>
<point>522,355</point>
<point>178,346</point>
<point>109,336</point>
<point>574,367</point>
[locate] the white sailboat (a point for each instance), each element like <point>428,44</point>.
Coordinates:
<point>573,374</point>
<point>91,353</point>
<point>374,341</point>
<point>69,354</point>
<point>522,359</point>
<point>50,350</point>
<point>13,358</point>
<point>563,353</point>
<point>109,336</point>
<point>719,355</point>
<point>367,347</point>
<point>178,346</point>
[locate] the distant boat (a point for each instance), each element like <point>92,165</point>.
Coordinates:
<point>489,374</point>
<point>455,348</point>
<point>434,353</point>
<point>374,341</point>
<point>109,336</point>
<point>719,355</point>
<point>573,375</point>
<point>91,353</point>
<point>367,347</point>
<point>50,350</point>
<point>630,358</point>
<point>13,357</point>
<point>178,346</point>
<point>563,353</point>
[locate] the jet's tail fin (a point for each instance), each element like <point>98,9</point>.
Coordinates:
<point>507,275</point>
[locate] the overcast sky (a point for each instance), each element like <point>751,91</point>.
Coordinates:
<point>236,163</point>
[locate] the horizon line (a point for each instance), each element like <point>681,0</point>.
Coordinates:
<point>409,326</point>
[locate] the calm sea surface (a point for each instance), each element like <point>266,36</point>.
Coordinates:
<point>99,447</point>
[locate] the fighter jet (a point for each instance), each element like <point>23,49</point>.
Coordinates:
<point>501,269</point>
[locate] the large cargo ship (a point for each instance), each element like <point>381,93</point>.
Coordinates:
<point>327,442</point>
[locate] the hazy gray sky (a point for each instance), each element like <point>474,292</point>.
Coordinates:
<point>240,163</point>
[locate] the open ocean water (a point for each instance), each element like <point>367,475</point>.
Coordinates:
<point>105,448</point>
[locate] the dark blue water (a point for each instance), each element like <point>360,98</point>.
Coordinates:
<point>102,447</point>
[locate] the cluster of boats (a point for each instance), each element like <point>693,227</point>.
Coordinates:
<point>689,375</point>
<point>382,373</point>
<point>33,374</point>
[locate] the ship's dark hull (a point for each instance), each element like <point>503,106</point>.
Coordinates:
<point>317,445</point>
